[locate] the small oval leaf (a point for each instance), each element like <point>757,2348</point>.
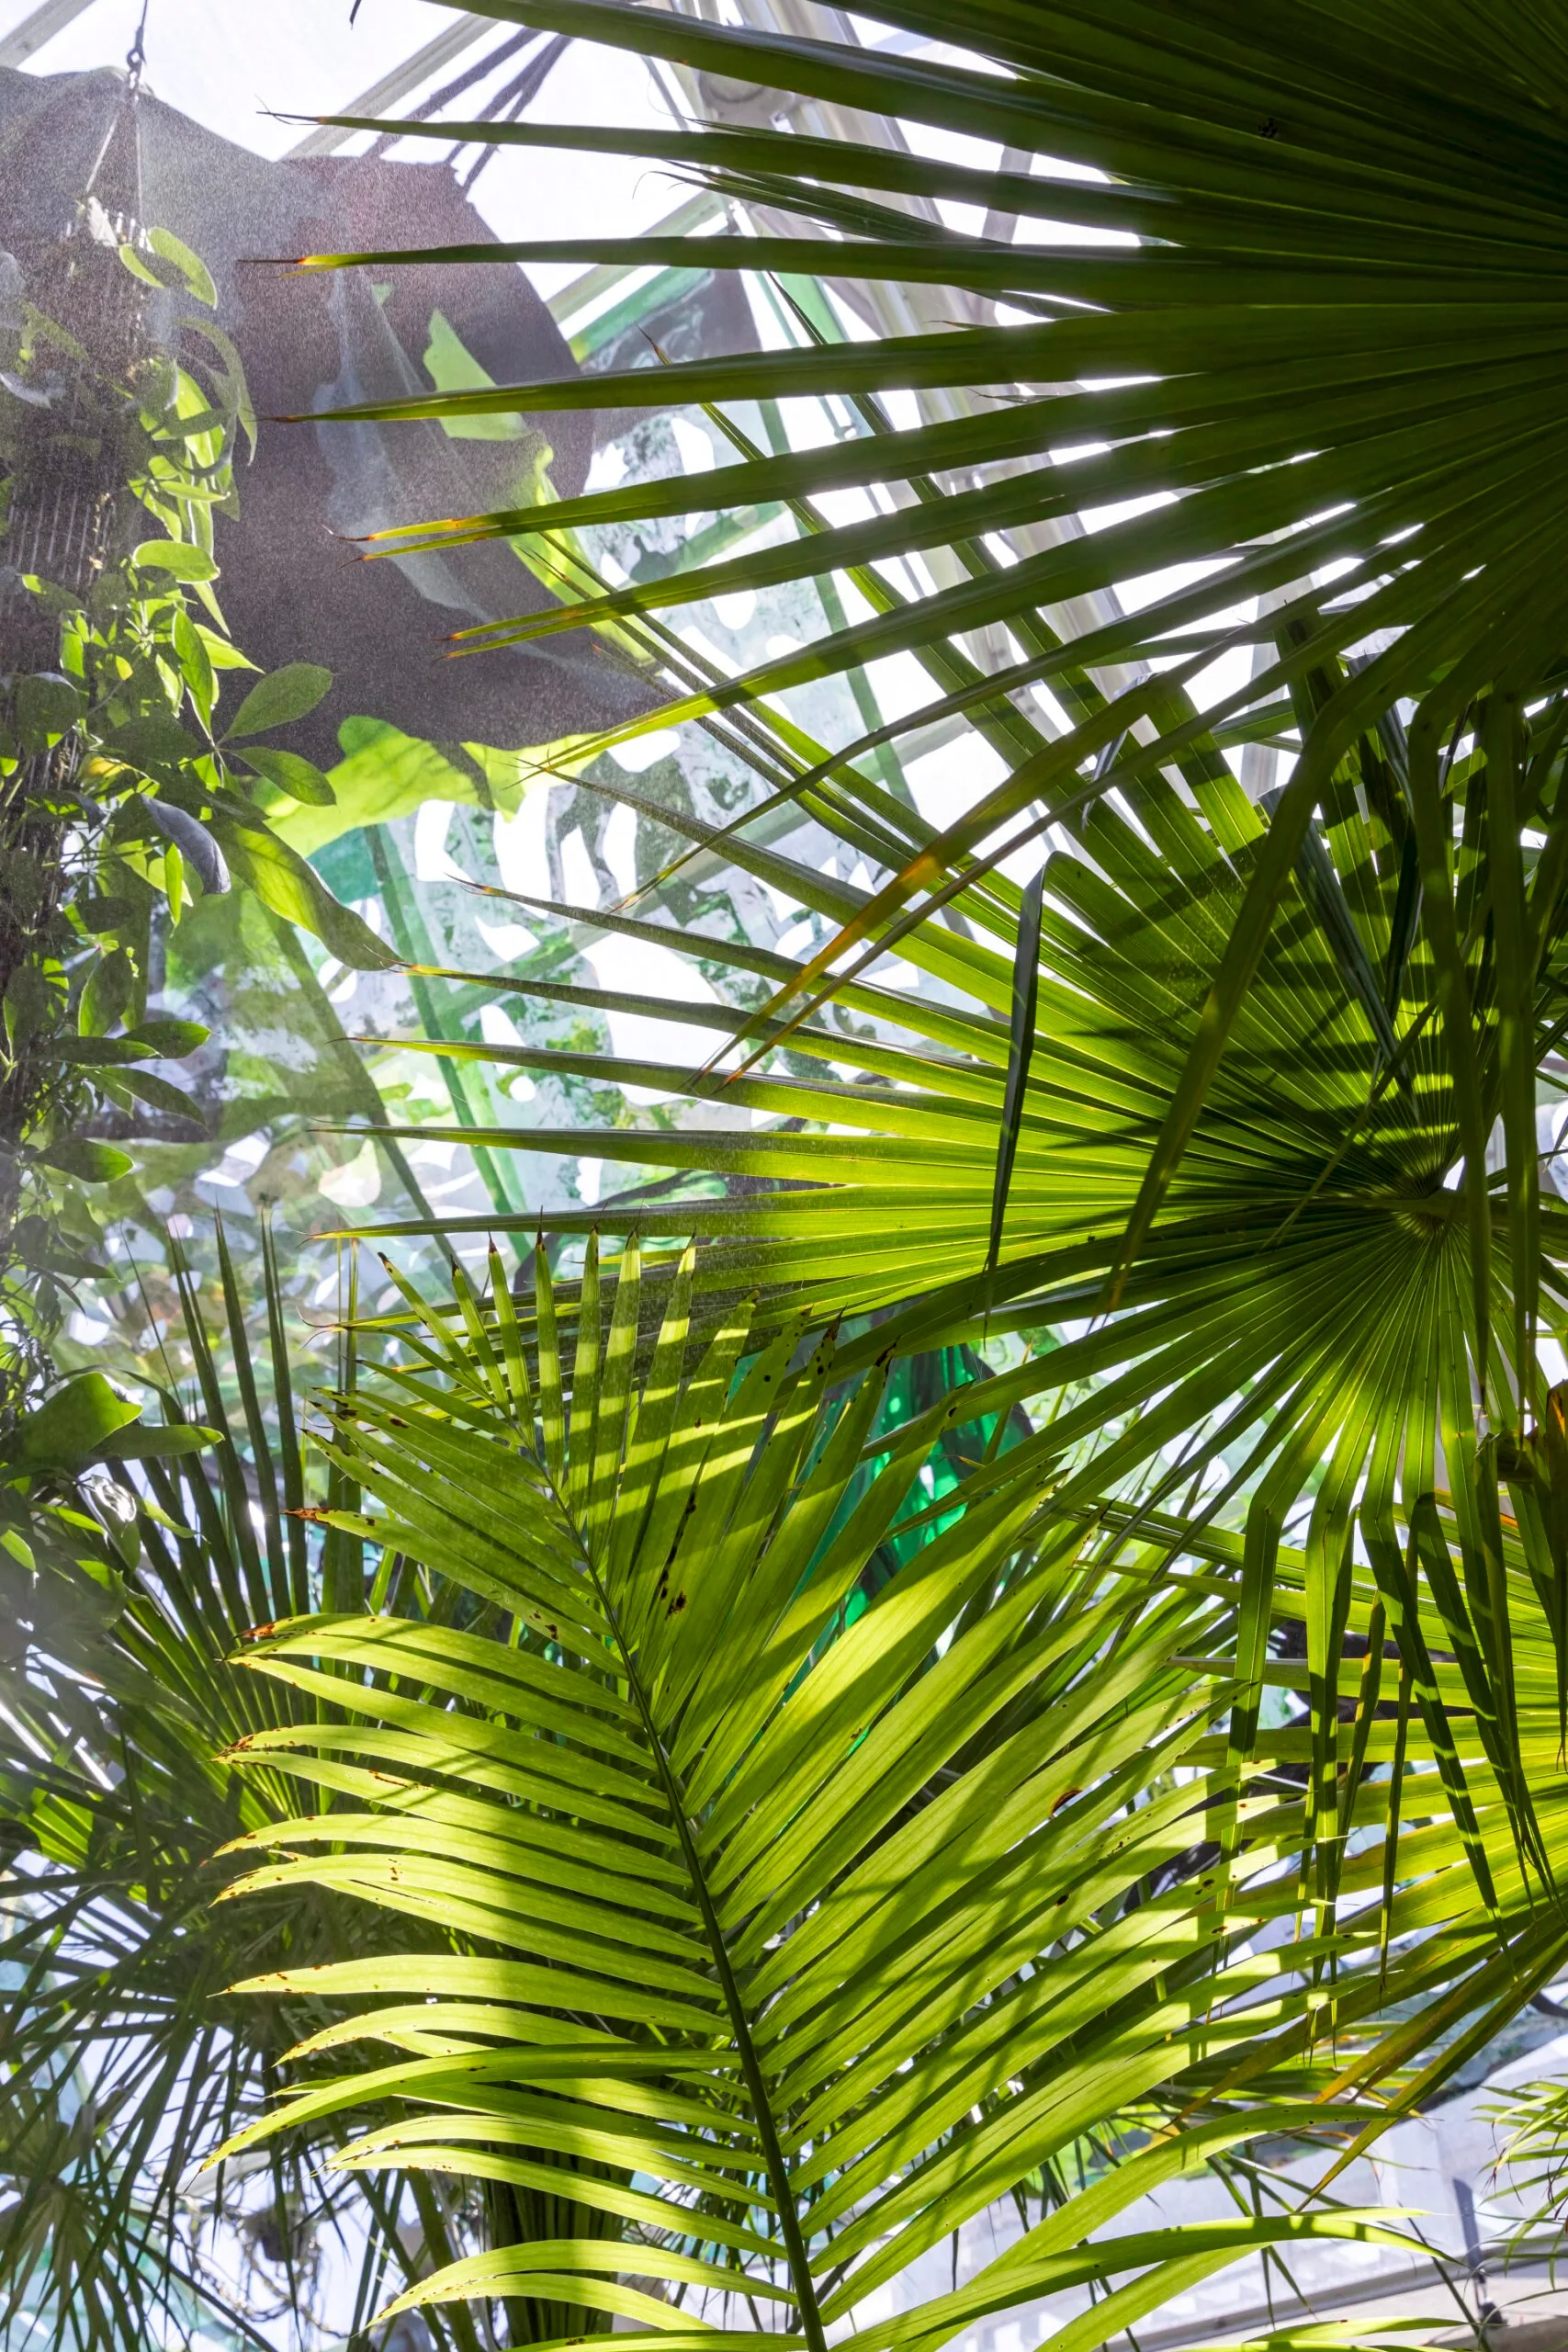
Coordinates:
<point>49,705</point>
<point>71,1424</point>
<point>282,880</point>
<point>154,1441</point>
<point>102,1053</point>
<point>159,1095</point>
<point>192,268</point>
<point>299,777</point>
<point>89,1162</point>
<point>285,694</point>
<point>171,1040</point>
<point>176,556</point>
<point>156,735</point>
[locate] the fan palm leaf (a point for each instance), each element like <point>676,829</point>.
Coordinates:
<point>1302,1325</point>
<point>1268,1106</point>
<point>1358,484</point>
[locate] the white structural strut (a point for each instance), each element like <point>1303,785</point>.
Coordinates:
<point>44,22</point>
<point>393,87</point>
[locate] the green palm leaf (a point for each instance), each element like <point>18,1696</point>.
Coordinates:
<point>121,2062</point>
<point>1239,1139</point>
<point>782,1945</point>
<point>1344,349</point>
<point>1312,1289</point>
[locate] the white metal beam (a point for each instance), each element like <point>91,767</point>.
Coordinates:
<point>420,67</point>
<point>42,25</point>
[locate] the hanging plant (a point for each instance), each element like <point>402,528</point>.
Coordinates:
<point>124,796</point>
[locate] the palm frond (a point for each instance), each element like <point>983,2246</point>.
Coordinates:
<point>782,1945</point>
<point>122,2062</point>
<point>1343,410</point>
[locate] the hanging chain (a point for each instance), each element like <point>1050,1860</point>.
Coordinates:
<point>136,55</point>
